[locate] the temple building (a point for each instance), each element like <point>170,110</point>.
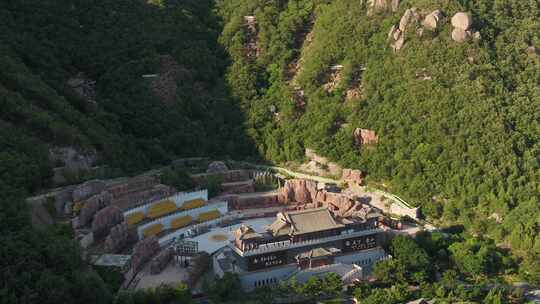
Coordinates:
<point>303,244</point>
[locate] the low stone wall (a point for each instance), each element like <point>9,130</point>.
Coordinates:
<point>251,201</point>
<point>226,176</point>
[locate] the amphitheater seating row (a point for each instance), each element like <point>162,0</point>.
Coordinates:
<point>134,218</point>
<point>161,208</point>
<point>207,216</point>
<point>192,204</point>
<point>181,222</point>
<point>153,230</point>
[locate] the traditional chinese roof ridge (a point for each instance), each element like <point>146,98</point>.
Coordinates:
<point>303,221</point>
<point>245,232</point>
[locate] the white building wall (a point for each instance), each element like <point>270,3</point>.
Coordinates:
<point>269,277</point>
<point>364,259</point>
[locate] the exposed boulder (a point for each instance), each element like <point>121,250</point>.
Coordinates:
<point>105,219</point>
<point>161,261</point>
<point>392,32</point>
<point>337,202</point>
<point>87,189</point>
<point>217,166</point>
<point>533,52</point>
<point>398,45</point>
<point>462,21</point>
<point>431,21</point>
<point>352,176</point>
<point>383,5</point>
<point>460,35</point>
<point>395,5</point>
<point>143,251</point>
<point>365,137</point>
<point>92,205</point>
<point>298,190</point>
<point>119,237</point>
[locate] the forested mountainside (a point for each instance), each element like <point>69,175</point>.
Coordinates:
<point>71,77</point>
<point>137,83</point>
<point>458,123</point>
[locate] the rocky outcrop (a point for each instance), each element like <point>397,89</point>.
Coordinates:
<point>252,50</point>
<point>217,166</point>
<point>299,191</point>
<point>533,52</point>
<point>432,20</point>
<point>119,237</point>
<point>164,84</point>
<point>87,189</point>
<point>397,32</point>
<point>353,177</point>
<point>382,5</point>
<point>105,219</point>
<point>92,205</point>
<point>161,261</point>
<point>143,251</point>
<point>462,23</point>
<point>83,87</point>
<point>365,137</point>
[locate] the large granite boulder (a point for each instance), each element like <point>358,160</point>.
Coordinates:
<point>92,205</point>
<point>337,202</point>
<point>299,191</point>
<point>459,35</point>
<point>119,237</point>
<point>161,261</point>
<point>217,166</point>
<point>462,21</point>
<point>87,189</point>
<point>105,219</point>
<point>431,21</point>
<point>143,251</point>
<point>365,137</point>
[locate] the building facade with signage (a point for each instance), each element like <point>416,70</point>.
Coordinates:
<point>304,243</point>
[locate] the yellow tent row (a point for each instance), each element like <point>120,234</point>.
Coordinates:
<point>161,208</point>
<point>192,204</point>
<point>181,221</point>
<point>207,216</point>
<point>134,218</point>
<point>153,230</point>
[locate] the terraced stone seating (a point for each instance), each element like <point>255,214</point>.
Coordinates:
<point>134,218</point>
<point>192,204</point>
<point>153,230</point>
<point>209,215</point>
<point>181,221</point>
<point>161,208</point>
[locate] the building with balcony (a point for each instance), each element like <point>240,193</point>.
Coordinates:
<point>302,244</point>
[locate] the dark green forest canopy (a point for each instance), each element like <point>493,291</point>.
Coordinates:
<point>463,144</point>
<point>43,43</point>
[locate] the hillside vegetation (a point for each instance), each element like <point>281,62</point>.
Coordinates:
<point>44,45</point>
<point>458,123</point>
